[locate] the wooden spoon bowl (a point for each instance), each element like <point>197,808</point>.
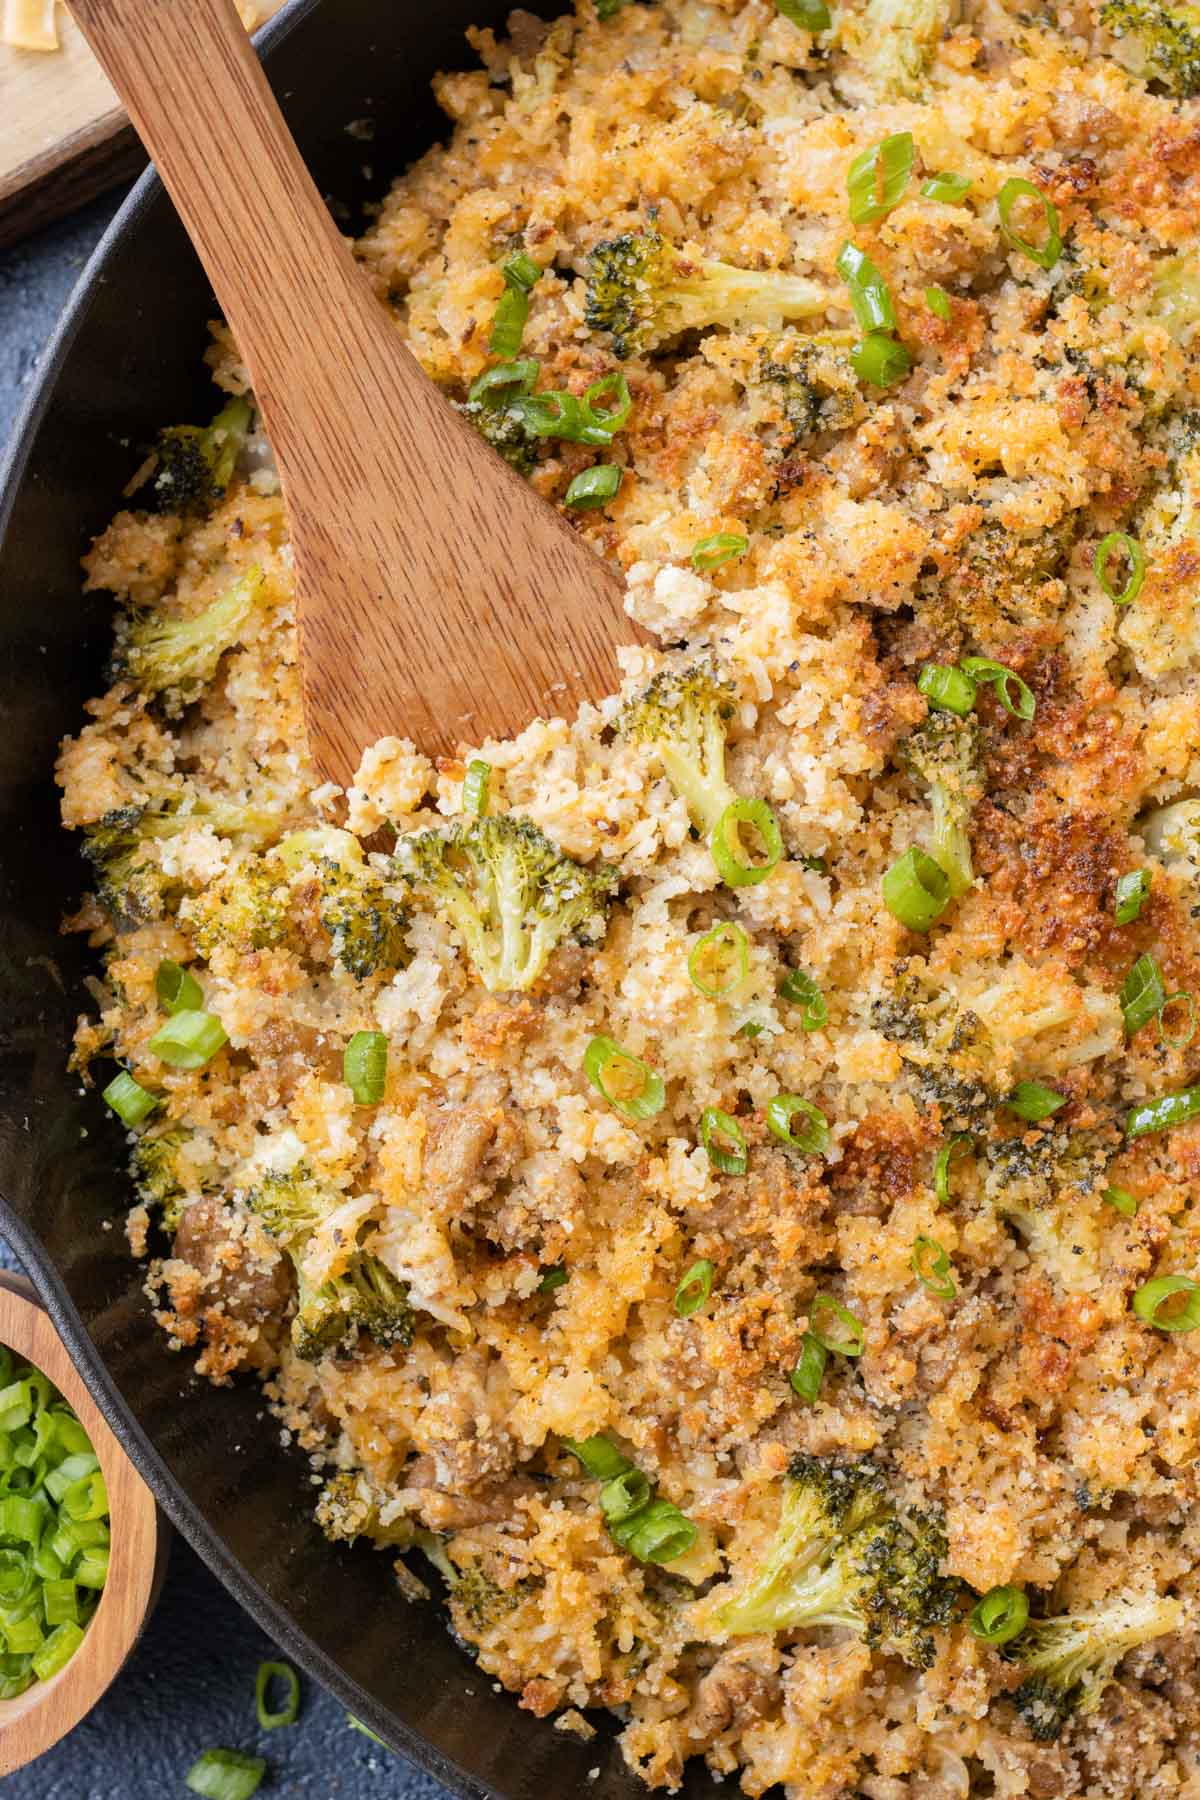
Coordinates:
<point>45,1712</point>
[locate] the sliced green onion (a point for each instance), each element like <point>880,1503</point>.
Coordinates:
<point>1156,1302</point>
<point>357,1725</point>
<point>60,1602</point>
<point>710,552</point>
<point>852,1339</point>
<point>504,381</point>
<point>177,989</point>
<point>364,1067</point>
<point>694,1290</point>
<point>606,407</point>
<point>520,271</point>
<point>226,1775</point>
<point>628,1084</point>
<point>751,1029</point>
<point>933,1268</point>
<point>725,1142</point>
<point>1164,1113</point>
<point>1013,694</point>
<point>870,296</point>
<point>658,1533</point>
<point>1143,995</point>
<point>946,187</point>
<point>916,890</point>
<point>957,1146</point>
<point>91,1571</point>
<point>938,302</point>
<point>189,1039</point>
<point>1132,892</point>
<point>599,1455</point>
<point>476,786</point>
<point>1121,1200</point>
<point>57,1651</point>
<point>946,688</point>
<point>803,992</point>
<point>877,180</point>
<point>554,1277</point>
<point>553,413</point>
<point>17,1578</point>
<point>728,851</point>
<point>718,964</point>
<point>1030,1100</point>
<point>1000,1616</point>
<point>129,1099</point>
<point>1045,254</point>
<point>809,1371</point>
<point>880,359</point>
<point>86,1498</point>
<point>594,487</point>
<point>508,321</point>
<point>1119,543</point>
<point>810,15</point>
<point>1178,1040</point>
<point>289,1712</point>
<point>624,1495</point>
<point>812,1136</point>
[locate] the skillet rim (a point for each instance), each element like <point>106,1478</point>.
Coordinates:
<point>183,1513</point>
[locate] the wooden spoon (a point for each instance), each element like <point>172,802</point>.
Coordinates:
<point>438,597</point>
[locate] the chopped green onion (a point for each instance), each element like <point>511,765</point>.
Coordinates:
<point>606,406</point>
<point>751,1029</point>
<point>91,1571</point>
<point>659,1533</point>
<point>1121,1200</point>
<point>810,15</point>
<point>554,1277</point>
<point>812,1136</point>
<point>803,991</point>
<point>694,1290</point>
<point>1143,995</point>
<point>1156,1302</point>
<point>290,1710</point>
<point>177,989</point>
<point>599,1455</point>
<point>60,1602</point>
<point>938,302</point>
<point>129,1099</point>
<point>1133,890</point>
<point>553,413</point>
<point>854,1338</point>
<point>364,1067</point>
<point>725,1142</point>
<point>189,1039</point>
<point>17,1578</point>
<point>946,187</point>
<point>57,1651</point>
<point>718,964</point>
<point>957,1146</point>
<point>226,1775</point>
<point>728,850</point>
<point>1045,254</point>
<point>508,321</point>
<point>1030,1100</point>
<point>916,890</point>
<point>1164,1113</point>
<point>877,180</point>
<point>1000,1616</point>
<point>594,487</point>
<point>1120,543</point>
<point>880,359</point>
<point>503,381</point>
<point>519,271</point>
<point>1178,1040</point>
<point>946,688</point>
<point>626,1493</point>
<point>629,1085</point>
<point>476,785</point>
<point>809,1371</point>
<point>357,1724</point>
<point>652,1530</point>
<point>1019,701</point>
<point>710,552</point>
<point>870,297</point>
<point>933,1268</point>
<point>86,1498</point>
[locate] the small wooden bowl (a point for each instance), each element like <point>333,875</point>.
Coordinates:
<point>45,1712</point>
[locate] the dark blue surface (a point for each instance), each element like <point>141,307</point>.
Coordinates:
<point>190,1683</point>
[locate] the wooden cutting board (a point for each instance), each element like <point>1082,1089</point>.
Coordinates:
<point>63,135</point>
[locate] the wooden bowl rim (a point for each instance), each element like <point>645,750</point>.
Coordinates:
<point>45,1712</point>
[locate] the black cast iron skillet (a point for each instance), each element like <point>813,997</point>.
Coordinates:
<point>126,359</point>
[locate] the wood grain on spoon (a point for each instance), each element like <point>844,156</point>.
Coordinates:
<point>438,597</point>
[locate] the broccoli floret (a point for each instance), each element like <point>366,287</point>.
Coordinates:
<point>291,1203</point>
<point>894,42</point>
<point>156,1173</point>
<point>506,431</point>
<point>943,752</point>
<point>1071,1660</point>
<point>1002,583</point>
<point>195,466</point>
<point>842,1556</point>
<point>944,1046</point>
<point>248,908</point>
<point>365,1297</point>
<point>478,1601</point>
<point>643,290</point>
<point>350,1507</point>
<point>681,718</point>
<point>366,924</point>
<point>1157,42</point>
<point>814,384</point>
<point>1177,295</point>
<point>131,884</point>
<point>172,659</point>
<point>510,894</point>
